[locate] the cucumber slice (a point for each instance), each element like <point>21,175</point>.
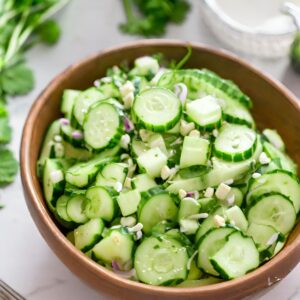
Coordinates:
<point>238,196</point>
<point>72,136</point>
<point>101,203</point>
<point>201,82</point>
<point>75,209</point>
<point>191,184</point>
<point>235,143</point>
<point>274,138</point>
<point>116,246</point>
<point>53,182</point>
<point>280,181</point>
<point>138,147</point>
<point>273,209</point>
<point>89,234</point>
<point>68,99</point>
<point>266,238</point>
<point>61,208</point>
<point>143,182</point>
<point>205,112</point>
<point>80,154</point>
<point>195,151</point>
<point>156,140</point>
<point>236,217</point>
<point>156,205</point>
<point>237,257</point>
<point>102,126</point>
<point>190,283</point>
<point>115,171</point>
<point>83,102</point>
<point>194,272</point>
<point>188,207</point>
<point>83,174</point>
<point>286,161</point>
<point>152,162</point>
<point>236,113</point>
<point>209,223</point>
<point>209,245</point>
<point>47,150</point>
<point>128,202</point>
<point>157,109</point>
<point>161,261</point>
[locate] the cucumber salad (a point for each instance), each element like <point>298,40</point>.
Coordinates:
<point>159,174</point>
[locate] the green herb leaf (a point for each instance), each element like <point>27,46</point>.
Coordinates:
<point>8,166</point>
<point>5,131</point>
<point>49,32</point>
<point>17,80</point>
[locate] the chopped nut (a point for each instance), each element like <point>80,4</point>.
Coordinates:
<point>118,186</point>
<point>182,193</point>
<point>209,192</point>
<point>186,128</point>
<point>136,228</point>
<point>219,221</point>
<point>128,221</point>
<point>139,235</point>
<point>125,140</point>
<point>264,159</point>
<point>198,216</point>
<point>215,132</point>
<point>128,100</point>
<point>256,175</point>
<point>230,199</point>
<point>194,133</point>
<point>165,172</point>
<point>126,88</point>
<point>222,191</point>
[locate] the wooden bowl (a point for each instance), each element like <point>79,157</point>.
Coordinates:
<point>274,106</point>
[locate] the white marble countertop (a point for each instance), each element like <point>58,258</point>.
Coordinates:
<point>26,262</point>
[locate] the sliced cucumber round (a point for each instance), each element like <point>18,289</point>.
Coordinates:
<point>237,257</point>
<point>83,101</point>
<point>101,203</point>
<point>75,209</point>
<point>161,261</point>
<point>280,181</point>
<point>157,109</point>
<point>156,205</point>
<point>210,244</point>
<point>102,126</point>
<point>88,234</point>
<point>273,209</point>
<point>235,143</point>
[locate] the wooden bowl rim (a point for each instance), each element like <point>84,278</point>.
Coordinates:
<point>93,267</point>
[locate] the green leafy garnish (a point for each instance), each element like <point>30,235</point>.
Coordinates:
<point>5,131</point>
<point>22,25</point>
<point>154,16</point>
<point>8,167</point>
<point>17,80</point>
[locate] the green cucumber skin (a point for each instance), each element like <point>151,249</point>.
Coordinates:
<point>209,81</point>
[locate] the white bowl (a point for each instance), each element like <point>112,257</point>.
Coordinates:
<point>248,26</point>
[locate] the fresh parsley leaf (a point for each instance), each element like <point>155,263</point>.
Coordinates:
<point>155,15</point>
<point>5,131</point>
<point>3,110</point>
<point>17,80</point>
<point>49,32</point>
<point>8,166</point>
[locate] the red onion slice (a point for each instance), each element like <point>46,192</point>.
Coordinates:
<point>181,92</point>
<point>128,125</point>
<point>77,135</point>
<point>64,121</point>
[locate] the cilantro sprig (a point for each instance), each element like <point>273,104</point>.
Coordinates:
<point>154,16</point>
<point>23,24</point>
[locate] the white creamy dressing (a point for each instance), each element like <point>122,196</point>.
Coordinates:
<point>258,15</point>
